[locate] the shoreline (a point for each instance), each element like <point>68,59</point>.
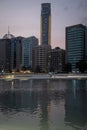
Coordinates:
<point>43,76</point>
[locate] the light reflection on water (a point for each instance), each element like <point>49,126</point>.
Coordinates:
<point>43,105</point>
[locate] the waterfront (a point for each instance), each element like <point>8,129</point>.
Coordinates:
<point>56,104</point>
<point>46,76</point>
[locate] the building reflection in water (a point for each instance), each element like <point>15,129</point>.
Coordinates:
<point>76,104</point>
<point>40,99</point>
<point>45,106</point>
<point>31,96</point>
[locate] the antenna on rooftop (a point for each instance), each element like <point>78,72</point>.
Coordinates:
<point>8,30</point>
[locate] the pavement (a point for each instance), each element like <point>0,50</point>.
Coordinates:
<point>43,76</point>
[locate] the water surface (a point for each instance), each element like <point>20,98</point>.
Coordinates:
<point>43,105</point>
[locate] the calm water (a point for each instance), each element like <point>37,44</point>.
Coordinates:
<point>43,105</point>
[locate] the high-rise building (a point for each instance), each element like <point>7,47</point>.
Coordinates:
<point>6,52</point>
<point>40,58</point>
<point>5,55</point>
<point>13,53</point>
<point>86,42</point>
<point>16,53</point>
<point>27,46</point>
<point>45,34</point>
<point>56,59</point>
<point>76,44</point>
<point>19,53</point>
<point>40,53</point>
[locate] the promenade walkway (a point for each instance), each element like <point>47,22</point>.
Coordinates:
<point>44,76</point>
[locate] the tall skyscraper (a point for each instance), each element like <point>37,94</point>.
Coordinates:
<point>76,44</point>
<point>45,38</point>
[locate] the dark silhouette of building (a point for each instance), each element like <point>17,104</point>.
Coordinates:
<point>16,53</point>
<point>5,55</point>
<point>56,59</point>
<point>40,58</point>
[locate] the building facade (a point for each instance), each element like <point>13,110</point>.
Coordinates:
<point>13,53</point>
<point>56,60</point>
<point>27,46</point>
<point>86,42</point>
<point>76,44</point>
<point>40,58</point>
<point>5,55</point>
<point>45,34</point>
<point>16,53</point>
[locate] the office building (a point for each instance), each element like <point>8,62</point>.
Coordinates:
<point>40,58</point>
<point>27,46</point>
<point>56,60</point>
<point>45,34</point>
<point>76,44</point>
<point>16,53</point>
<point>5,52</point>
<point>86,42</point>
<point>19,53</point>
<point>5,55</point>
<point>40,53</point>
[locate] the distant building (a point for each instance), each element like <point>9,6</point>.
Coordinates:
<point>45,34</point>
<point>8,35</point>
<point>13,53</point>
<point>76,44</point>
<point>27,46</point>
<point>19,53</point>
<point>40,53</point>
<point>56,60</point>
<point>16,53</point>
<point>5,52</point>
<point>5,55</point>
<point>86,42</point>
<point>40,58</point>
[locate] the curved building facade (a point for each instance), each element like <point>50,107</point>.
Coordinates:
<point>45,32</point>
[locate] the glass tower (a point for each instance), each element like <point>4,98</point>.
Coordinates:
<point>27,45</point>
<point>75,44</point>
<point>45,38</point>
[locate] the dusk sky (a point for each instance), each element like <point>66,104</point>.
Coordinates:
<point>23,17</point>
